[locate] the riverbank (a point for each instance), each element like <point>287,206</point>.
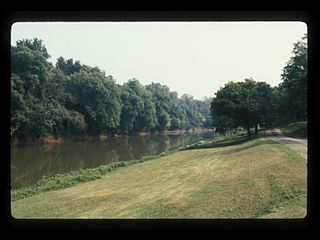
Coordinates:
<point>103,137</point>
<point>30,163</point>
<point>72,178</point>
<point>254,178</point>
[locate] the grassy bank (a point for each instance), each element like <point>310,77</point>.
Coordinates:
<point>221,141</point>
<point>255,178</point>
<point>296,130</point>
<point>72,178</point>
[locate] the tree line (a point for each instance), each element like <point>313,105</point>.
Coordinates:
<point>250,104</point>
<point>74,99</point>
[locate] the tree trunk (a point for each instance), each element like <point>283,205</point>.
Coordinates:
<point>248,131</point>
<point>256,128</point>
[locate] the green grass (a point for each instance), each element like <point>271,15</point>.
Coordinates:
<point>257,178</point>
<point>296,130</point>
<point>222,141</point>
<point>72,178</point>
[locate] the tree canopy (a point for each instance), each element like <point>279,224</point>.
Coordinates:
<point>249,103</point>
<point>294,83</point>
<point>242,104</point>
<point>73,99</point>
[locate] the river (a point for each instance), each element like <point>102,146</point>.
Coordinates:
<point>29,163</point>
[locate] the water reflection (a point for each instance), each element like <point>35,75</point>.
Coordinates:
<point>31,163</point>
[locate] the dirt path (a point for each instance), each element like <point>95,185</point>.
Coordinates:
<point>299,145</point>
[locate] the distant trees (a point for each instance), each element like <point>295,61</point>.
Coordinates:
<point>204,112</point>
<point>163,103</point>
<point>249,103</point>
<point>72,99</point>
<point>138,109</point>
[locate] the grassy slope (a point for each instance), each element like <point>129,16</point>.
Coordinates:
<point>72,178</point>
<point>298,130</point>
<point>258,178</point>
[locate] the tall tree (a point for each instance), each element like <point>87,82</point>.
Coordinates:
<point>67,66</point>
<point>97,97</point>
<point>162,100</point>
<point>36,45</point>
<point>30,76</point>
<point>266,104</point>
<point>138,110</point>
<point>204,109</point>
<point>191,109</point>
<point>295,81</point>
<point>243,104</point>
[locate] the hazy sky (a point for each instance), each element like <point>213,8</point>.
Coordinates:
<point>190,57</point>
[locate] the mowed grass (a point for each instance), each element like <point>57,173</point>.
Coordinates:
<point>259,178</point>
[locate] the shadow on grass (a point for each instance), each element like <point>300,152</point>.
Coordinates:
<point>233,142</point>
<point>248,147</point>
<point>223,143</point>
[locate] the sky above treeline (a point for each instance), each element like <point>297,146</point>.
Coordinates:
<point>196,58</point>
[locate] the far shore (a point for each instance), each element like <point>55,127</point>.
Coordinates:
<point>55,140</point>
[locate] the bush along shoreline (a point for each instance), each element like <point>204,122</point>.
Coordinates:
<point>102,137</point>
<point>72,178</point>
<point>64,180</point>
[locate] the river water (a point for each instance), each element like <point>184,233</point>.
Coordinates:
<point>29,163</point>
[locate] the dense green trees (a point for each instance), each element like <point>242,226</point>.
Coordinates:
<point>163,103</point>
<point>31,107</point>
<point>138,109</point>
<point>72,99</point>
<point>249,103</point>
<point>67,66</point>
<point>242,104</point>
<point>97,98</point>
<point>294,86</point>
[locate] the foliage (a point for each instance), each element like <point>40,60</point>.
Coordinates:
<point>242,104</point>
<point>73,99</point>
<point>97,98</point>
<point>296,130</point>
<point>31,115</point>
<point>249,103</point>
<point>138,110</point>
<point>67,66</point>
<point>163,104</point>
<point>294,85</point>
